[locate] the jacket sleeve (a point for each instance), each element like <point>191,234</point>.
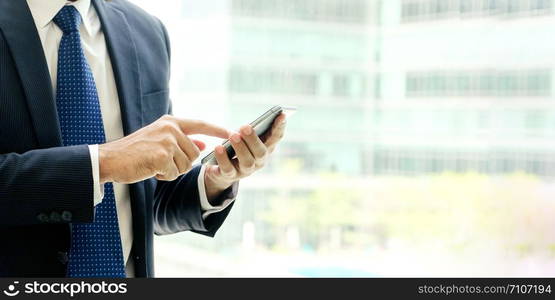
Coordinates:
<point>177,206</point>
<point>53,185</point>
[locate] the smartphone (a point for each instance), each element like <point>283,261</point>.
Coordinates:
<point>261,125</point>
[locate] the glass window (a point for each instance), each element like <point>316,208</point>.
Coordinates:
<point>446,153</point>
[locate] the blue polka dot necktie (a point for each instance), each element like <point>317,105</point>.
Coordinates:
<point>95,247</point>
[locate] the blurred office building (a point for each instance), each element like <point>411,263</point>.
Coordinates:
<point>425,134</point>
<point>466,85</point>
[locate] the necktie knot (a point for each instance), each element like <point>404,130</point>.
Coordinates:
<point>68,19</point>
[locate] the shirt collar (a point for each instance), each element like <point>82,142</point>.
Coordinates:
<point>44,11</point>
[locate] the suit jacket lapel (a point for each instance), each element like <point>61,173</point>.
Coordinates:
<point>20,32</point>
<point>123,56</point>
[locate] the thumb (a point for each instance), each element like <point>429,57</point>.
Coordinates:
<point>201,145</point>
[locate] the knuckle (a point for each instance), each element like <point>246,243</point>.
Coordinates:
<point>167,125</point>
<point>195,153</point>
<point>226,170</point>
<point>164,177</point>
<point>182,167</point>
<point>162,155</point>
<point>175,129</point>
<point>260,163</point>
<point>167,142</point>
<point>229,173</point>
<point>172,173</point>
<point>166,117</point>
<point>249,164</point>
<point>161,125</point>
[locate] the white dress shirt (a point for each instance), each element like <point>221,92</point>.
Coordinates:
<point>96,53</point>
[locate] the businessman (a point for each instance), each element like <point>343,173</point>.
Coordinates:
<point>92,164</point>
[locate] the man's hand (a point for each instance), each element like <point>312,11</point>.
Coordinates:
<point>161,149</point>
<point>252,153</point>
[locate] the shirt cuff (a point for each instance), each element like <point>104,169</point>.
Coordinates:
<point>98,189</point>
<point>204,203</point>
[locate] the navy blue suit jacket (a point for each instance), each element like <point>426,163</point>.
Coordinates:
<point>45,187</point>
